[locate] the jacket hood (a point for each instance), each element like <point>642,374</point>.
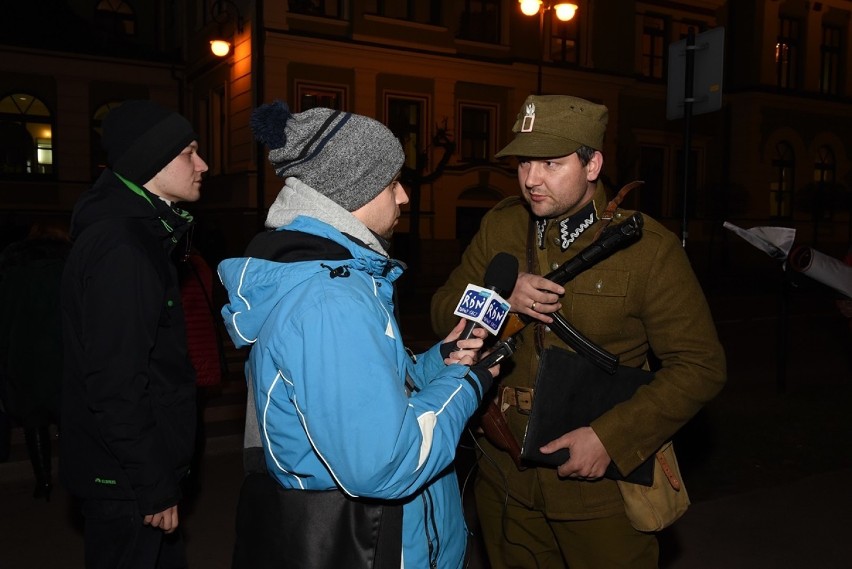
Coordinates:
<point>110,199</point>
<point>256,285</point>
<point>297,198</point>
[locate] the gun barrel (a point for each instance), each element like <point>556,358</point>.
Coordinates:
<point>609,242</point>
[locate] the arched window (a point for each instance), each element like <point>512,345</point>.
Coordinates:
<point>781,187</point>
<point>115,17</point>
<point>97,152</point>
<point>26,136</point>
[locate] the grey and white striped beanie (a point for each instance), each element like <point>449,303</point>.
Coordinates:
<point>347,157</point>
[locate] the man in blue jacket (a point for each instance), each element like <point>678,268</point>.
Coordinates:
<point>128,394</point>
<point>354,429</point>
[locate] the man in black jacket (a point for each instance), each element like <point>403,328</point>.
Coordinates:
<point>128,400</point>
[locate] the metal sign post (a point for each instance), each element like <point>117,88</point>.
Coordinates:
<point>694,88</point>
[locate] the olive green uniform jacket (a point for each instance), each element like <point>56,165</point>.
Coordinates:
<point>644,298</point>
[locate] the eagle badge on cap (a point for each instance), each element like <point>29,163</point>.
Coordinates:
<point>529,118</point>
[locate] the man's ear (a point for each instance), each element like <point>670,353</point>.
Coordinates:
<point>594,167</point>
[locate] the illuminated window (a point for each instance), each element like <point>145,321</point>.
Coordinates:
<point>787,54</point>
<point>115,17</point>
<point>26,136</point>
<point>781,188</point>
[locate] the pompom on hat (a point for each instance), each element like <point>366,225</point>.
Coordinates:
<point>346,157</point>
<point>550,126</point>
<point>142,137</point>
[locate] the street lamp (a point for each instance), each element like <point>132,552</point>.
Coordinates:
<point>221,12</point>
<point>564,11</point>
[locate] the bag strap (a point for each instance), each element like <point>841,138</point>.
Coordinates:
<point>532,268</point>
<point>609,212</point>
<point>667,470</point>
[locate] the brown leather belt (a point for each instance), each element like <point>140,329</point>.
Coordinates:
<point>519,397</point>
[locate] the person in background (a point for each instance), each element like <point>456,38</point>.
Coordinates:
<point>640,303</point>
<point>31,341</point>
<point>205,350</point>
<point>358,436</point>
<point>128,398</point>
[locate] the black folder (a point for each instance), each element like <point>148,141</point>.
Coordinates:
<point>570,392</point>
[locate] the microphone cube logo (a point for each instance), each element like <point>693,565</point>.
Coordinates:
<point>473,302</point>
<point>495,314</point>
<point>483,306</point>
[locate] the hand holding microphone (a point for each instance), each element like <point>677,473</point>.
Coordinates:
<point>485,310</point>
<point>484,306</point>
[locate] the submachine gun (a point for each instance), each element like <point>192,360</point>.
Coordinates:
<point>612,239</point>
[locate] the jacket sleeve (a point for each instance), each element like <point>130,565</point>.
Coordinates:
<point>681,333</point>
<point>123,300</point>
<point>374,439</point>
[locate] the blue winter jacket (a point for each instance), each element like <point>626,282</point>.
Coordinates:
<point>329,370</point>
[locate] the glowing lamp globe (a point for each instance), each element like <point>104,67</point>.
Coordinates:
<point>220,48</point>
<point>530,7</point>
<point>565,12</point>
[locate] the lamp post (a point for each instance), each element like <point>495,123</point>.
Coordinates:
<point>221,12</point>
<point>564,12</point>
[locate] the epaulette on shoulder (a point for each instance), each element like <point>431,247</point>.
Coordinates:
<point>509,202</point>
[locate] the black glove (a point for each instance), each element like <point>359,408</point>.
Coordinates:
<point>481,380</point>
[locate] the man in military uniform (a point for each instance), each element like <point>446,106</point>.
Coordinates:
<point>643,300</point>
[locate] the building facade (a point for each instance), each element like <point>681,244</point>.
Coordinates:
<point>448,76</point>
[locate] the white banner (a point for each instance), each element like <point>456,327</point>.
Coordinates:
<point>822,268</point>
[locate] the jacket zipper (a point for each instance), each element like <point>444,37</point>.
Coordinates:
<point>431,527</point>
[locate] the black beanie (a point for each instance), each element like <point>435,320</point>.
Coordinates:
<point>141,137</point>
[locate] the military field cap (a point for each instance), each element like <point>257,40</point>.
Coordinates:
<point>549,126</point>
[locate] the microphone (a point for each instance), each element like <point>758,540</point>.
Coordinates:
<point>483,306</point>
